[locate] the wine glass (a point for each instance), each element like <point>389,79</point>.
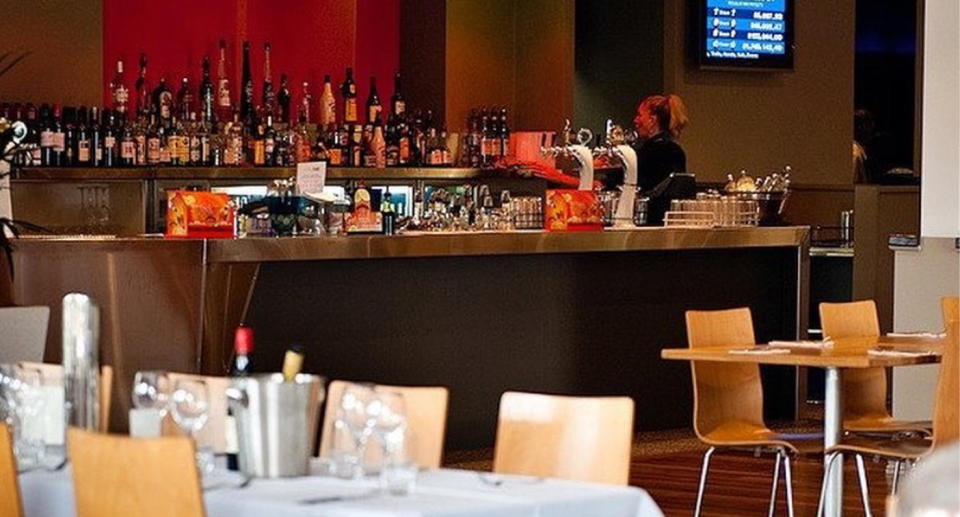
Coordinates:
<point>390,414</point>
<point>190,405</point>
<point>356,416</point>
<point>151,391</point>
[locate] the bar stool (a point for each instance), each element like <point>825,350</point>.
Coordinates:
<point>946,427</point>
<point>578,438</point>
<point>115,476</point>
<point>728,402</point>
<point>9,486</point>
<point>864,389</point>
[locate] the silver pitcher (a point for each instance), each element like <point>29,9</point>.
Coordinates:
<point>276,422</point>
<point>81,365</point>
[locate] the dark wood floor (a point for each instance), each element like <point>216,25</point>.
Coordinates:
<point>739,484</point>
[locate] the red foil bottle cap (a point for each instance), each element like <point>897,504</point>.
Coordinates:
<point>243,340</point>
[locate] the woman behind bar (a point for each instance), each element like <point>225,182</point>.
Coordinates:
<point>659,121</point>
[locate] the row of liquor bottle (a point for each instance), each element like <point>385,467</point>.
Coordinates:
<point>81,137</point>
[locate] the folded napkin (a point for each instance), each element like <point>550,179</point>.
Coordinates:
<point>899,353</point>
<point>801,344</point>
<point>932,335</point>
<point>760,351</point>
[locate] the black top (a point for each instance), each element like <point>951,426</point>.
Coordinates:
<point>657,158</point>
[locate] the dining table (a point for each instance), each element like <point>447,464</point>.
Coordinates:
<point>834,356</point>
<point>436,493</point>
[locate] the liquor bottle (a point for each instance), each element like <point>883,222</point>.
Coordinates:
<point>96,138</point>
<point>392,137</point>
<point>183,140</point>
<point>184,100</point>
<point>378,145</point>
<point>486,139</point>
<point>292,363</point>
<point>246,89</point>
<point>119,92</point>
<point>165,155</point>
<point>69,137</point>
<point>153,142</point>
<point>46,136</point>
<point>504,134</point>
<point>58,154</point>
<point>207,102</point>
<point>349,91</point>
<point>403,142</point>
<point>374,106</point>
<point>173,142</point>
<point>356,146</point>
<point>269,142</point>
<point>301,141</point>
<point>234,148</point>
<point>333,147</point>
<point>163,103</point>
<point>128,146</point>
<point>33,123</point>
<point>257,145</point>
<point>143,89</point>
<point>224,107</point>
<point>111,145</point>
<point>306,100</point>
<point>446,157</point>
<point>269,98</point>
<point>283,100</point>
<point>140,142</point>
<point>397,104</point>
<point>328,104</point>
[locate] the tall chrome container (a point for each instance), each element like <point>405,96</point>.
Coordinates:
<point>276,422</point>
<point>81,364</point>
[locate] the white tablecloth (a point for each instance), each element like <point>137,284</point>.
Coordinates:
<point>438,493</point>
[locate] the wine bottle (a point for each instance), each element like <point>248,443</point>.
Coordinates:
<point>397,103</point>
<point>374,106</point>
<point>292,363</point>
<point>246,92</point>
<point>269,98</point>
<point>283,100</point>
<point>224,107</point>
<point>119,92</point>
<point>143,90</point>
<point>349,91</point>
<point>207,101</point>
<point>242,366</point>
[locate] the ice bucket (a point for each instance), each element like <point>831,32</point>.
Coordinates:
<point>276,423</point>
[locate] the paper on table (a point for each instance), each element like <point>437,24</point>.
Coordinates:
<point>900,353</point>
<point>760,351</point>
<point>801,344</point>
<point>932,335</point>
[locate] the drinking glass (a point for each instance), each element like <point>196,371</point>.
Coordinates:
<point>151,391</point>
<point>21,408</point>
<point>190,405</point>
<point>356,415</point>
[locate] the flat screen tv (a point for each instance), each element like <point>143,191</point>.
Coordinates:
<point>744,34</point>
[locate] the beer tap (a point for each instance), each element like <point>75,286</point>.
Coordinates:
<point>579,152</point>
<point>616,146</point>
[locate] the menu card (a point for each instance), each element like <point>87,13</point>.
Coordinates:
<point>311,177</point>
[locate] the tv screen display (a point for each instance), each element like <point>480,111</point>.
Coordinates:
<point>745,33</point>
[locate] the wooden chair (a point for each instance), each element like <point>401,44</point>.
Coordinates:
<point>214,432</point>
<point>946,425</point>
<point>426,416</point>
<point>118,476</point>
<point>864,389</point>
<point>10,504</point>
<point>950,305</point>
<point>579,438</point>
<point>728,401</point>
<point>54,373</point>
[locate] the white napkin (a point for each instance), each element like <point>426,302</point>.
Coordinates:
<point>802,344</point>
<point>624,215</point>
<point>760,351</point>
<point>899,353</point>
<point>930,335</point>
<point>584,157</point>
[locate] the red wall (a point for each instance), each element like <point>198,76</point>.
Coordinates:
<point>309,38</point>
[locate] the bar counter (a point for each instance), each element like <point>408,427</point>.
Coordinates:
<point>578,313</point>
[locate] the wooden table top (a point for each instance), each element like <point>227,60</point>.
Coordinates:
<point>844,353</point>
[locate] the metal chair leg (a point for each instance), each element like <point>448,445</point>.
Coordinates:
<point>864,495</point>
<point>776,484</point>
<point>788,481</point>
<point>896,477</point>
<point>703,480</point>
<point>826,477</point>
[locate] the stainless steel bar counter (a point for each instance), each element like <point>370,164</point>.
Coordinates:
<point>478,312</point>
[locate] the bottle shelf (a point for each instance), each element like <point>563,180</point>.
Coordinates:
<point>255,173</point>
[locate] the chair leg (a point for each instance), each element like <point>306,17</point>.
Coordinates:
<point>826,477</point>
<point>788,481</point>
<point>703,480</point>
<point>896,477</point>
<point>864,495</point>
<point>776,484</point>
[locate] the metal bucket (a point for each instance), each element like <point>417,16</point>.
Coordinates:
<point>276,422</point>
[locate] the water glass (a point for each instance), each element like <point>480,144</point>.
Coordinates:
<point>190,405</point>
<point>356,405</point>
<point>22,408</point>
<point>151,390</point>
<point>398,474</point>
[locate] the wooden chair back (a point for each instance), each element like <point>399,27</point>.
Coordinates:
<point>53,373</point>
<point>578,438</point>
<point>950,306</point>
<point>946,410</point>
<point>10,504</point>
<point>118,476</point>
<point>864,389</point>
<point>214,432</point>
<point>725,395</point>
<point>426,417</point>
